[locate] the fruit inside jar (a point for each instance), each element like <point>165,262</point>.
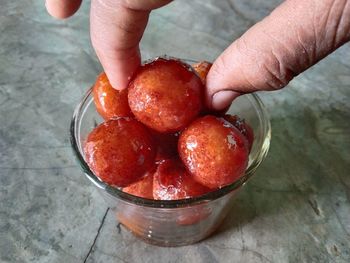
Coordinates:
<point>165,108</point>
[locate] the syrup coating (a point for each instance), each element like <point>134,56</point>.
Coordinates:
<point>243,127</point>
<point>202,68</point>
<point>213,151</point>
<point>142,188</point>
<point>165,95</point>
<point>120,151</point>
<point>110,102</point>
<point>171,181</point>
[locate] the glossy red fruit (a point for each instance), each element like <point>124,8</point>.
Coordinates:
<point>243,127</point>
<point>142,188</point>
<point>202,68</point>
<point>214,151</point>
<point>165,95</point>
<point>166,145</point>
<point>171,181</point>
<point>110,102</point>
<point>120,151</point>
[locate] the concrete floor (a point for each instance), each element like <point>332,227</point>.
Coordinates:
<point>296,208</point>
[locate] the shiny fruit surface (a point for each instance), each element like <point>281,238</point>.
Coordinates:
<point>166,95</point>
<point>110,102</point>
<point>120,151</point>
<point>172,182</point>
<point>214,151</point>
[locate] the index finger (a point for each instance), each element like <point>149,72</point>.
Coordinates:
<point>116,30</point>
<point>62,8</point>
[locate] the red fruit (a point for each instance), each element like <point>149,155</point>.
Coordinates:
<point>202,68</point>
<point>142,188</point>
<point>214,151</point>
<point>243,127</point>
<point>120,151</point>
<point>165,95</point>
<point>110,102</point>
<point>166,145</point>
<point>172,182</point>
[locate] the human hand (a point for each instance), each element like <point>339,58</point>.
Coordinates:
<point>116,28</point>
<point>295,36</point>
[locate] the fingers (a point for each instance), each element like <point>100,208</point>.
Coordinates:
<point>223,98</point>
<point>116,29</point>
<point>292,38</point>
<point>144,4</point>
<point>62,8</point>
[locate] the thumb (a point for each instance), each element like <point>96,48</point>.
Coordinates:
<point>296,35</point>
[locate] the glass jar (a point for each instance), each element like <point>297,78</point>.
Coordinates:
<point>176,222</point>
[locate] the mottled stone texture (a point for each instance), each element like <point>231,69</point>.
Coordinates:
<point>296,208</point>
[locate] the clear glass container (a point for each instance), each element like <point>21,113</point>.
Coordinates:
<point>177,222</point>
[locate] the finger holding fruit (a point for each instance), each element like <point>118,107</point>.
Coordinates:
<point>110,102</point>
<point>155,142</point>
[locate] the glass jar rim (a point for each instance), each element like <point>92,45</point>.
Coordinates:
<point>264,124</point>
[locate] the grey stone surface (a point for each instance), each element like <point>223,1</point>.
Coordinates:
<point>296,208</point>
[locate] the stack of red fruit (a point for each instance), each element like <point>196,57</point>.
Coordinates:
<point>159,141</point>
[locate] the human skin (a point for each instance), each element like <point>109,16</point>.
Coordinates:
<point>295,36</point>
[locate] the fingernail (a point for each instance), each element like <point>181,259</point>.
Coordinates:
<point>223,98</point>
<point>117,83</point>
